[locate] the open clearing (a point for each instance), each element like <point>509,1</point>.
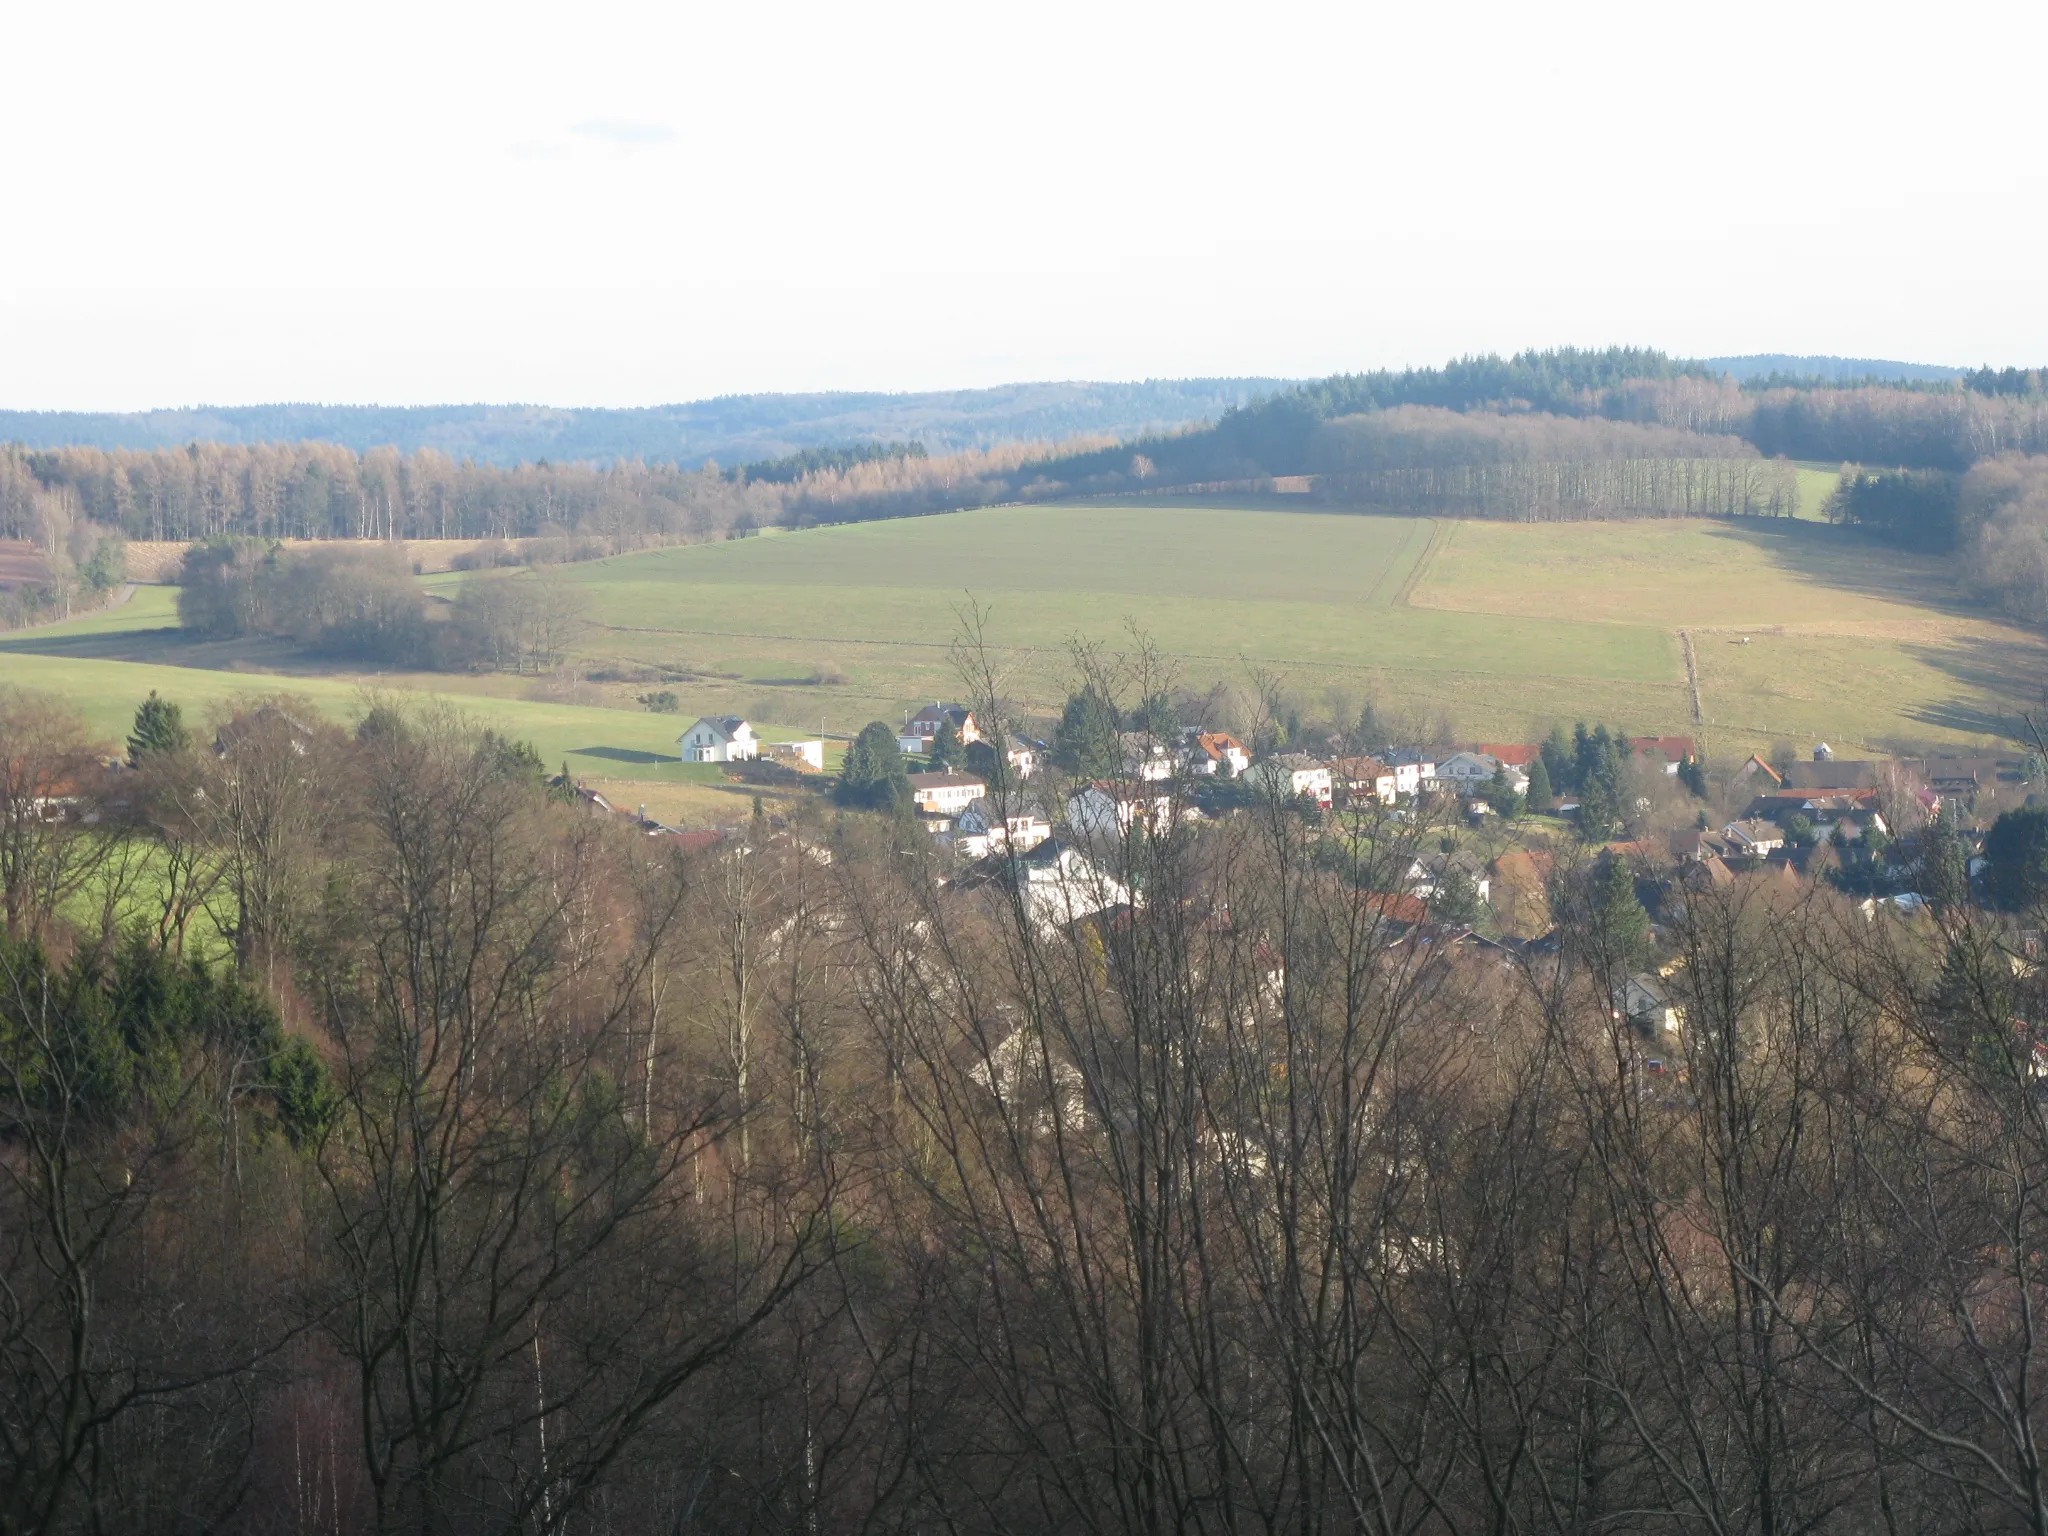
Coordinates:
<point>1503,628</point>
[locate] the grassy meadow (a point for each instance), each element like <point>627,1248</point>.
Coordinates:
<point>1502,628</point>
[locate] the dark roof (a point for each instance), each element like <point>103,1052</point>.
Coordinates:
<point>1833,775</point>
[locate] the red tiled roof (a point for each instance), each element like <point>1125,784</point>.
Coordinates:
<point>1673,749</point>
<point>1513,754</point>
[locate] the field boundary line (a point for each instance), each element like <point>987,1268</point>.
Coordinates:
<point>1234,656</point>
<point>1692,676</point>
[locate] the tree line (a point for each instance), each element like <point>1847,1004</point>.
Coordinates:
<point>363,604</point>
<point>512,1170</point>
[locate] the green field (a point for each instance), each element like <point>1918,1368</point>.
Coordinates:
<point>1504,628</point>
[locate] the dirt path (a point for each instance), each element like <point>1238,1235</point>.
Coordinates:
<point>1692,676</point>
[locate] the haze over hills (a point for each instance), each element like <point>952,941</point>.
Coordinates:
<point>730,429</point>
<point>734,429</point>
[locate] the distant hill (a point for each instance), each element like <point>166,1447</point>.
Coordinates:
<point>731,429</point>
<point>1764,365</point>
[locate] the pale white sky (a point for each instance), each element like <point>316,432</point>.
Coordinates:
<point>619,203</point>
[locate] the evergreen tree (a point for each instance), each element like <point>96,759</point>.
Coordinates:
<point>1086,743</point>
<point>1500,794</point>
<point>1371,734</point>
<point>1599,809</point>
<point>1541,799</point>
<point>1557,761</point>
<point>1620,925</point>
<point>2017,850</point>
<point>945,747</point>
<point>1692,773</point>
<point>159,728</point>
<point>872,776</point>
<point>981,761</point>
<point>1456,899</point>
<point>1944,867</point>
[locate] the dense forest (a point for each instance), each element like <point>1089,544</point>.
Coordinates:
<point>507,1169</point>
<point>319,491</point>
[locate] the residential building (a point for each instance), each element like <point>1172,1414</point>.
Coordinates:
<point>1292,774</point>
<point>945,794</point>
<point>1059,884</point>
<point>1215,754</point>
<point>1832,774</point>
<point>1412,769</point>
<point>1470,773</point>
<point>1514,754</point>
<point>1426,874</point>
<point>1646,1002</point>
<point>1753,839</point>
<point>1109,808</point>
<point>1146,758</point>
<point>720,739</point>
<point>981,829</point>
<point>1022,756</point>
<point>922,729</point>
<point>1359,779</point>
<point>1671,752</point>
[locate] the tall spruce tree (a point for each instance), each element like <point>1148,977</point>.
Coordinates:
<point>159,728</point>
<point>872,776</point>
<point>1541,798</point>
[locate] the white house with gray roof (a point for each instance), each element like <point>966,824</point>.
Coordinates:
<point>720,739</point>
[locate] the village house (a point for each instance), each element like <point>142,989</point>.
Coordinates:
<point>1412,768</point>
<point>1669,752</point>
<point>1425,877</point>
<point>1357,780</point>
<point>1829,774</point>
<point>1754,839</point>
<point>1057,882</point>
<point>923,728</point>
<point>1514,754</point>
<point>1469,773</point>
<point>981,829</point>
<point>1146,758</point>
<point>720,739</point>
<point>1293,774</point>
<point>945,794</point>
<point>1022,757</point>
<point>1110,808</point>
<point>1215,754</point>
<point>1646,1002</point>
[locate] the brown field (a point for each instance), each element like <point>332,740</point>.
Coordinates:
<point>21,562</point>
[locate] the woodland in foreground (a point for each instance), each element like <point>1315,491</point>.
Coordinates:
<point>517,1171</point>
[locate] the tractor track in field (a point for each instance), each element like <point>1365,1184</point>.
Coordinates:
<point>1439,533</point>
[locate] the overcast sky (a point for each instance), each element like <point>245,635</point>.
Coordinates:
<point>622,204</point>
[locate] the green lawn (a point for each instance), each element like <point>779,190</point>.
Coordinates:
<point>593,740</point>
